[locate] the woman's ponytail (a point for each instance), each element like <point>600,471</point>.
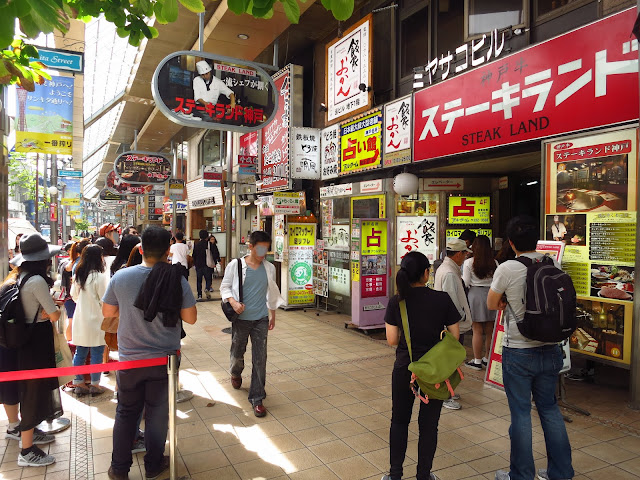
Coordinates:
<point>412,269</point>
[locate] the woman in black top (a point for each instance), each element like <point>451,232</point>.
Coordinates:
<point>429,312</point>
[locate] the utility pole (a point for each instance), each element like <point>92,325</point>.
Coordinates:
<point>54,198</point>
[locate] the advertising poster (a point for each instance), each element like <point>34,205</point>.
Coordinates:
<point>360,143</point>
<point>305,154</point>
<point>120,187</point>
<point>44,117</point>
<point>591,208</point>
<point>320,270</point>
<point>71,190</point>
<point>326,207</point>
<point>248,154</point>
<point>373,258</point>
<point>278,228</point>
<point>274,162</point>
<point>207,91</point>
<point>302,239</point>
<point>339,238</point>
<point>339,273</point>
<point>142,168</point>
<point>469,210</point>
<point>348,67</point>
<point>289,203</point>
<point>330,148</point>
<point>397,132</point>
<point>417,234</point>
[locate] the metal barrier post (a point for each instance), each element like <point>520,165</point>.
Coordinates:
<point>172,371</point>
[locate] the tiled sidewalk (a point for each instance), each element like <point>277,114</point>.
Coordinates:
<point>329,411</point>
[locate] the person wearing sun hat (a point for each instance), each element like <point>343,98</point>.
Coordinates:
<point>39,399</point>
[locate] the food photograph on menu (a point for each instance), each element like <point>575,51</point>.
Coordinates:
<point>613,282</point>
<point>600,328</point>
<point>570,229</point>
<point>595,184</point>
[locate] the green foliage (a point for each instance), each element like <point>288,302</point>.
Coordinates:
<point>22,175</point>
<point>82,225</point>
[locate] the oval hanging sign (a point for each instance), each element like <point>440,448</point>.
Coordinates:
<point>108,197</point>
<point>120,187</point>
<point>197,89</point>
<point>142,168</point>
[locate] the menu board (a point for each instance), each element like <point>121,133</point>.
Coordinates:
<point>591,208</point>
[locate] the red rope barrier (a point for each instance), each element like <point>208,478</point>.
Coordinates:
<point>66,371</point>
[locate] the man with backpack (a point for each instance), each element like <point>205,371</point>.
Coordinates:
<point>531,363</point>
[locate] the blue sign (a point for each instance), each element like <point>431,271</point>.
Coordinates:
<point>70,173</point>
<point>212,183</point>
<point>62,59</point>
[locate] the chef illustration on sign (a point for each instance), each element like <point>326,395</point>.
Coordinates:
<point>207,87</point>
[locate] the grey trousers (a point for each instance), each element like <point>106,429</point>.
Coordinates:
<point>258,330</point>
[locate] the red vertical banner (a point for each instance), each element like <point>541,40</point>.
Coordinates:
<point>53,212</point>
<point>274,158</point>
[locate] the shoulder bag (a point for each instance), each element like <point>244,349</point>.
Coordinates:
<point>227,309</point>
<point>437,373</point>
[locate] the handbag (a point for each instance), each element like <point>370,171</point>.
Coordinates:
<point>63,355</point>
<point>437,373</point>
<point>189,262</point>
<point>211,263</point>
<point>227,309</point>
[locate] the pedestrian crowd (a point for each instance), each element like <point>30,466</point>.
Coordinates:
<point>131,294</point>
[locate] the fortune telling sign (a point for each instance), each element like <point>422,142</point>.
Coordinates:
<point>200,90</point>
<point>142,168</point>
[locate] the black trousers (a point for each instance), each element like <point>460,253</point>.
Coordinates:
<point>429,416</point>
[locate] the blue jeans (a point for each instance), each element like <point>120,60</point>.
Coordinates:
<point>205,272</point>
<point>534,371</point>
<point>80,358</point>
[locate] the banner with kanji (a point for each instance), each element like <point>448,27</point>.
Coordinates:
<point>44,117</point>
<point>360,141</point>
<point>417,234</point>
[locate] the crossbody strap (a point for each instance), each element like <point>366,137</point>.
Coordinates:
<point>405,326</point>
<point>240,278</point>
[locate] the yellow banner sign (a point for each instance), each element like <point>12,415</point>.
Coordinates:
<point>374,237</point>
<point>469,210</point>
<point>361,143</point>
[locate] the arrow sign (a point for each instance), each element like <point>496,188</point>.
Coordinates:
<point>442,184</point>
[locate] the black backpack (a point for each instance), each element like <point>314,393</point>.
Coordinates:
<point>550,308</point>
<point>14,329</point>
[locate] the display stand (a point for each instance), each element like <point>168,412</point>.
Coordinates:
<point>55,426</point>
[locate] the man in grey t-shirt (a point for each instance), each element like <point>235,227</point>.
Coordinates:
<point>528,367</point>
<point>143,388</point>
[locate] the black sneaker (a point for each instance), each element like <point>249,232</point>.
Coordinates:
<point>12,434</point>
<point>156,474</point>
<point>117,476</point>
<point>34,457</point>
<point>474,365</point>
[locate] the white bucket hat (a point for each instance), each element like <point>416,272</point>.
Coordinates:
<point>203,67</point>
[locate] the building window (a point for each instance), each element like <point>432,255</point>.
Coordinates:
<point>547,9</point>
<point>212,149</point>
<point>450,29</point>
<point>483,16</point>
<point>414,41</point>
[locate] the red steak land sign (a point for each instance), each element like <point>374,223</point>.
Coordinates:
<point>583,79</point>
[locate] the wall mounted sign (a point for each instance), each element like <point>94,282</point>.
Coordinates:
<point>200,90</point>
<point>248,153</point>
<point>371,186</point>
<point>330,149</point>
<point>469,210</point>
<point>336,190</point>
<point>142,168</point>
<point>119,186</point>
<point>44,117</point>
<point>417,234</point>
<point>534,93</point>
<point>176,189</point>
<point>397,132</point>
<point>209,172</point>
<point>302,239</point>
<point>61,59</point>
<point>70,173</point>
<point>289,203</point>
<point>442,184</point>
<point>305,153</point>
<point>274,163</point>
<point>349,68</point>
<point>360,141</point>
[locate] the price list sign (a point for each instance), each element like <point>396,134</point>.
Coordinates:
<point>579,273</point>
<point>608,241</point>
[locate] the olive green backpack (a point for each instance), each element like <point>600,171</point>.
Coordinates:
<point>437,373</point>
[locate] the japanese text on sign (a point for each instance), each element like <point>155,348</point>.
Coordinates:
<point>374,237</point>
<point>288,203</point>
<point>417,234</point>
<point>360,143</point>
<point>305,157</point>
<point>330,150</point>
<point>469,210</point>
<point>397,132</point>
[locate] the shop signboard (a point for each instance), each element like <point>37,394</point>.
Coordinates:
<point>305,153</point>
<point>360,142</point>
<point>341,190</point>
<point>330,150</point>
<point>274,161</point>
<point>453,233</point>
<point>71,191</point>
<point>248,153</point>
<point>106,195</point>
<point>142,168</point>
<point>176,189</point>
<point>278,228</point>
<point>201,90</point>
<point>44,117</point>
<point>417,234</point>
<point>373,258</point>
<point>397,132</point>
<point>591,207</point>
<point>302,239</point>
<point>289,203</point>
<point>210,172</point>
<point>469,210</point>
<point>349,71</point>
<point>533,93</point>
<point>120,187</point>
<point>320,270</point>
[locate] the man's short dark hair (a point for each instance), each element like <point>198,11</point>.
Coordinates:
<point>203,234</point>
<point>155,242</point>
<point>524,232</point>
<point>180,236</point>
<point>468,235</point>
<point>259,237</point>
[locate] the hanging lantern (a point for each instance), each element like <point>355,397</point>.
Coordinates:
<point>405,184</point>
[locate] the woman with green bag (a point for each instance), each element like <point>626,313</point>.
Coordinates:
<point>428,313</point>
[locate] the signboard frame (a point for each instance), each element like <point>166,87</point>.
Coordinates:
<point>122,159</point>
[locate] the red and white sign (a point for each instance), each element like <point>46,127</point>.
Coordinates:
<point>210,173</point>
<point>503,183</point>
<point>237,70</point>
<point>442,184</point>
<point>593,151</point>
<point>274,162</point>
<point>583,79</point>
<point>371,186</point>
<point>247,161</point>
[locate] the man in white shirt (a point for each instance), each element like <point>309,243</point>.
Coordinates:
<point>558,230</point>
<point>180,252</point>
<point>207,88</point>
<point>529,367</point>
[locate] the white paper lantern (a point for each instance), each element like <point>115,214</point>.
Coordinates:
<point>405,184</point>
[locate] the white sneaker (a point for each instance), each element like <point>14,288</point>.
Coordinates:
<point>451,404</point>
<point>542,474</point>
<point>502,475</point>
<point>35,458</point>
